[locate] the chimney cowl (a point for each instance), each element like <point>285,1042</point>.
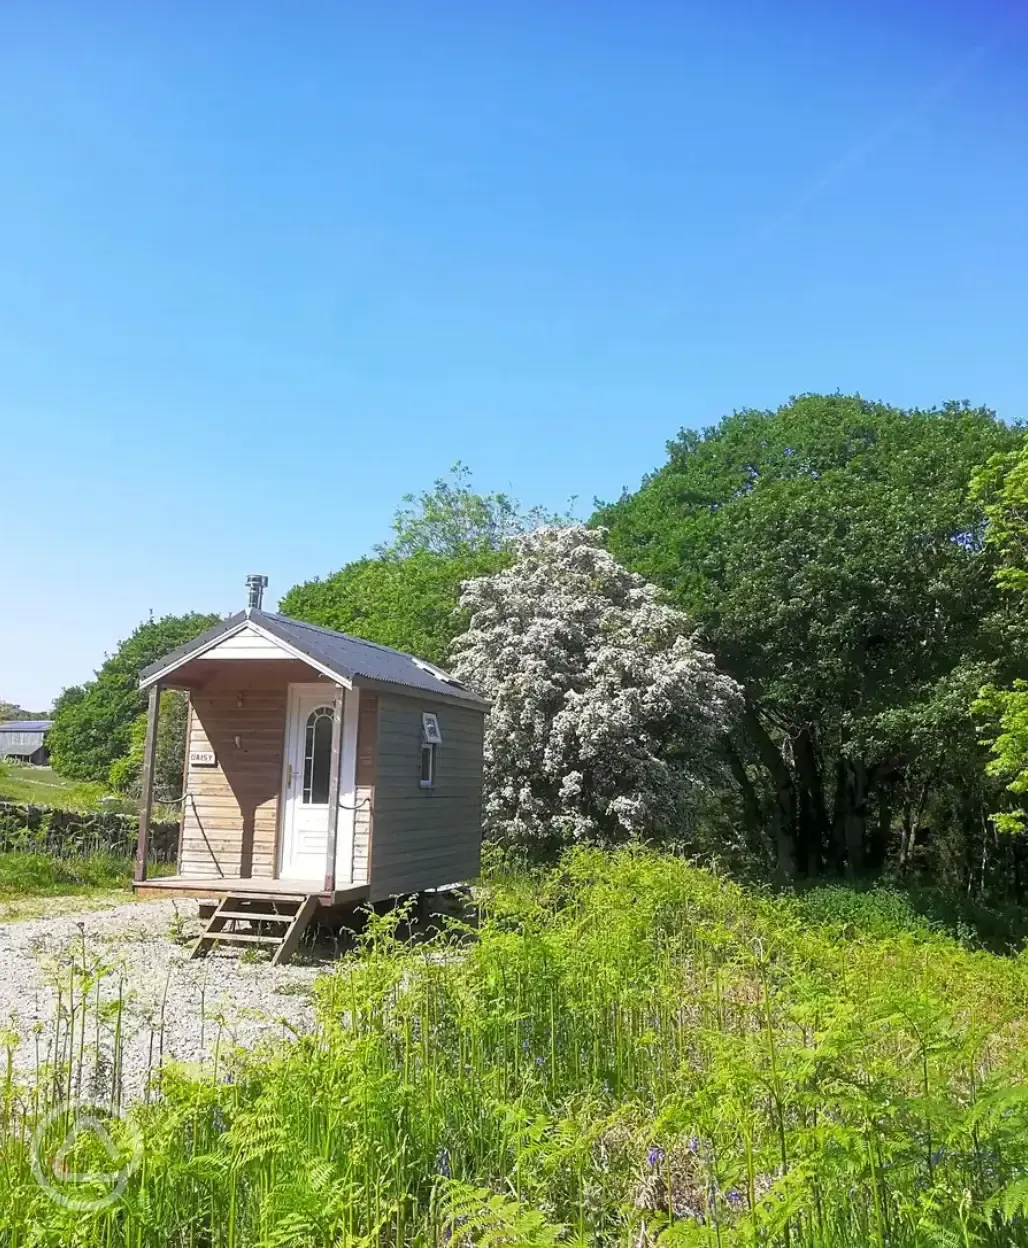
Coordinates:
<point>256,583</point>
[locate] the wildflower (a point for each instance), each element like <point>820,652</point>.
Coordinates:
<point>442,1163</point>
<point>938,1155</point>
<point>656,1156</point>
<point>734,1198</point>
<point>694,1144</point>
<point>540,1061</point>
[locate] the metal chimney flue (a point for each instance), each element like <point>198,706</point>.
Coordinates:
<point>255,587</point>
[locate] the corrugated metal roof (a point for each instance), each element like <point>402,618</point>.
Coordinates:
<point>26,725</point>
<point>351,658</point>
<point>368,659</point>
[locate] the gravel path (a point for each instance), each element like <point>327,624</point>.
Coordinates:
<point>217,1002</point>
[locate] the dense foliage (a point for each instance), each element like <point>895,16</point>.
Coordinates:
<point>453,519</point>
<point>409,604</point>
<point>1002,489</point>
<point>93,722</point>
<point>834,561</point>
<point>625,1052</point>
<point>859,570</point>
<point>604,711</point>
<point>407,597</point>
<point>126,773</point>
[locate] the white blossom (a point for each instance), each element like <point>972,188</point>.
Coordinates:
<point>605,710</point>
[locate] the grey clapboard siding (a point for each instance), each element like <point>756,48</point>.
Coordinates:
<point>424,838</point>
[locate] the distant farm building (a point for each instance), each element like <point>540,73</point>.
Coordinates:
<point>25,740</point>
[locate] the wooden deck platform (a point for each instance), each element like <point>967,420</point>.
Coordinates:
<point>217,887</point>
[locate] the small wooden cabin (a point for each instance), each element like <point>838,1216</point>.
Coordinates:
<point>321,770</point>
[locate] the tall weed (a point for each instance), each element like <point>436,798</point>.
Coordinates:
<point>624,1051</point>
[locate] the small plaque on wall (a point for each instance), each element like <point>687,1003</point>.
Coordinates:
<point>203,758</point>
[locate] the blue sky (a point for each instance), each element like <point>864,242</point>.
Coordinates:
<point>266,267</point>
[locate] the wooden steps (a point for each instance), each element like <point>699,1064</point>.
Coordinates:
<point>273,920</point>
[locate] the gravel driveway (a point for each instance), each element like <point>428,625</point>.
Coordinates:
<point>175,1008</point>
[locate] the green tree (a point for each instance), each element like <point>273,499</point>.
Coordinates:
<point>407,596</point>
<point>452,519</point>
<point>93,722</point>
<point>409,604</point>
<point>834,562</point>
<point>126,773</point>
<point>1001,489</point>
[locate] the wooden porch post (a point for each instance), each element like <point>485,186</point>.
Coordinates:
<point>153,712</point>
<point>333,789</point>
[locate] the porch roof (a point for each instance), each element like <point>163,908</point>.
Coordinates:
<point>348,659</point>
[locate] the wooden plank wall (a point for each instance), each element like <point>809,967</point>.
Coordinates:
<point>424,838</point>
<point>230,816</point>
<point>367,730</point>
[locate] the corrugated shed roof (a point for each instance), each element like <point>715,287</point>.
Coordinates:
<point>26,725</point>
<point>369,660</point>
<point>351,658</point>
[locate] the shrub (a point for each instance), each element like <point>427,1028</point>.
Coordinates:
<point>627,1050</point>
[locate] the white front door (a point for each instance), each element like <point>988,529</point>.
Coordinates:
<point>305,785</point>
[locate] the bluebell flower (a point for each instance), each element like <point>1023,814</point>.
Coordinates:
<point>442,1163</point>
<point>540,1061</point>
<point>734,1198</point>
<point>656,1156</point>
<point>693,1144</point>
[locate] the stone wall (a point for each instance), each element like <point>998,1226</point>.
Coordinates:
<point>77,834</point>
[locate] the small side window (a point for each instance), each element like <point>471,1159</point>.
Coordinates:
<point>427,766</point>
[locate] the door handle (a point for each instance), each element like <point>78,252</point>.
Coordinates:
<point>289,775</point>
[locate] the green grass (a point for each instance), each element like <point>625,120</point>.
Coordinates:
<point>625,1051</point>
<point>36,874</point>
<point>31,883</point>
<point>43,787</point>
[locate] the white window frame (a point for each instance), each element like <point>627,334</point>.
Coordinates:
<point>430,748</point>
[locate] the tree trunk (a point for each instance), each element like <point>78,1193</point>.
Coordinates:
<point>813,816</point>
<point>836,857</point>
<point>783,820</point>
<point>753,816</point>
<point>878,839</point>
<point>856,818</point>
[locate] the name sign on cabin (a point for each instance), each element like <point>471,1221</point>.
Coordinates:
<point>203,758</point>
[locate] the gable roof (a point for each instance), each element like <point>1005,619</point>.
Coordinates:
<point>26,725</point>
<point>338,655</point>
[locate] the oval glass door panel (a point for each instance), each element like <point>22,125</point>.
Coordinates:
<point>317,756</point>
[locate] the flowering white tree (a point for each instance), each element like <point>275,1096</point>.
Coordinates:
<point>605,710</point>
